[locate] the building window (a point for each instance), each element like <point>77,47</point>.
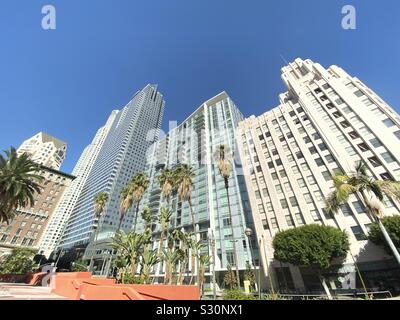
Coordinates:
<point>308,198</point>
<point>388,123</point>
<point>327,175</point>
<point>360,208</point>
<point>293,202</point>
<point>376,142</point>
<point>274,223</point>
<point>397,134</point>
<point>358,233</point>
<point>375,161</point>
<point>289,220</point>
<point>299,218</point>
<point>346,210</point>
<point>363,147</point>
<point>359,93</point>
<point>315,215</point>
<point>387,156</point>
<point>284,204</point>
<point>318,195</point>
<point>301,182</point>
<point>311,180</point>
<point>313,150</point>
<point>282,173</point>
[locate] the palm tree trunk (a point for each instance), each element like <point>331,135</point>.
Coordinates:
<point>233,235</point>
<point>196,262</point>
<point>136,216</point>
<point>193,263</point>
<point>381,226</point>
<point>389,240</point>
<point>325,286</point>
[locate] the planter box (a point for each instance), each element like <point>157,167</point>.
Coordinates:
<point>82,286</point>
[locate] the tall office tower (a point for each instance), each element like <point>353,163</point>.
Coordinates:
<point>326,122</point>
<point>195,142</point>
<point>45,150</point>
<point>121,156</point>
<point>81,171</point>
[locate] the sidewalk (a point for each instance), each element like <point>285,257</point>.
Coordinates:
<point>12,291</point>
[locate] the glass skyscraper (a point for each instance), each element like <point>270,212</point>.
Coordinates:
<point>122,155</point>
<point>195,142</point>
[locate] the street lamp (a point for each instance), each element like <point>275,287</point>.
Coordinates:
<point>249,232</point>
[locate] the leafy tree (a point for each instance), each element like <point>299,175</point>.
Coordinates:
<point>128,246</point>
<point>230,278</point>
<point>392,225</point>
<point>149,259</point>
<point>19,261</point>
<point>19,181</point>
<point>372,193</point>
<point>314,246</point>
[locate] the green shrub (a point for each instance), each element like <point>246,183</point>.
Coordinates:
<point>237,295</point>
<point>392,226</point>
<point>20,261</point>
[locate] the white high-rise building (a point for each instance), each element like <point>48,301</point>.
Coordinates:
<point>120,157</point>
<point>196,142</point>
<point>325,123</point>
<point>81,171</point>
<point>45,150</point>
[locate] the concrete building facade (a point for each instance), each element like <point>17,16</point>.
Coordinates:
<point>45,150</point>
<point>325,123</point>
<point>84,166</point>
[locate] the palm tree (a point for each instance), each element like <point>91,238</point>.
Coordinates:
<point>149,259</point>
<point>100,201</point>
<point>170,256</point>
<point>196,247</point>
<point>372,193</point>
<point>126,202</point>
<point>204,262</point>
<point>164,218</point>
<point>128,245</point>
<point>167,183</point>
<point>184,176</point>
<point>19,181</point>
<point>225,169</point>
<point>185,239</point>
<point>139,184</point>
<point>148,219</point>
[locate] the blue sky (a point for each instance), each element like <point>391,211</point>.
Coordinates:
<point>66,81</point>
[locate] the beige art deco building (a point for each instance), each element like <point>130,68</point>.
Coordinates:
<point>325,122</point>
<point>26,229</point>
<point>45,150</point>
<point>28,225</point>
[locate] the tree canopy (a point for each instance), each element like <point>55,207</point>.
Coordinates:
<point>311,245</point>
<point>392,225</point>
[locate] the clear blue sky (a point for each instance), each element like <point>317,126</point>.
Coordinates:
<point>66,82</point>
